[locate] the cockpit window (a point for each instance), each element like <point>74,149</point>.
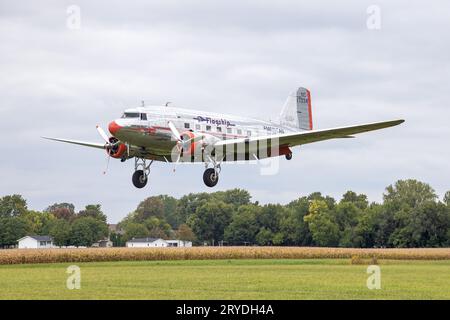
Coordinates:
<point>130,115</point>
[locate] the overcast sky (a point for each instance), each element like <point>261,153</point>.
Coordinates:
<point>241,57</point>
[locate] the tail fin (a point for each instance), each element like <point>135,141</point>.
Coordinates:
<point>297,111</point>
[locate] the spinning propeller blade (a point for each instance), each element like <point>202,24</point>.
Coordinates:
<point>108,145</point>
<point>107,164</point>
<point>176,135</point>
<point>102,134</point>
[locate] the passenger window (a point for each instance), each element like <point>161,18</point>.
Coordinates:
<point>197,127</point>
<point>208,128</point>
<point>249,133</point>
<point>186,125</point>
<point>239,131</point>
<point>219,129</point>
<point>143,116</point>
<point>229,130</point>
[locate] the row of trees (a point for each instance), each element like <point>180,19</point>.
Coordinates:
<point>410,215</point>
<point>67,227</point>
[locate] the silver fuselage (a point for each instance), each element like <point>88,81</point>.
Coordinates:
<point>145,129</point>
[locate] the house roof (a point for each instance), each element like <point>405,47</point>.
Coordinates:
<point>150,240</point>
<point>104,240</point>
<point>39,238</point>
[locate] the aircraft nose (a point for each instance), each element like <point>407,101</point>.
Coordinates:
<point>113,127</point>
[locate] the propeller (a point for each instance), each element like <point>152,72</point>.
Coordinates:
<point>181,144</point>
<point>108,145</point>
<point>107,164</point>
<point>103,134</point>
<point>175,134</point>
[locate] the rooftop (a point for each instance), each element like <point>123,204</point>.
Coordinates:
<point>40,238</point>
<point>143,240</point>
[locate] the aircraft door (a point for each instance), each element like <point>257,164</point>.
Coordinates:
<point>173,117</point>
<point>143,121</point>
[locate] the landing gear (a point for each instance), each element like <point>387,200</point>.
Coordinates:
<point>288,156</point>
<point>210,177</point>
<point>141,172</point>
<point>139,179</point>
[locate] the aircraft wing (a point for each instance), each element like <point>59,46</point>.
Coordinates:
<point>305,137</point>
<point>81,143</point>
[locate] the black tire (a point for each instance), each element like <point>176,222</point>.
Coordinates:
<point>138,179</point>
<point>288,156</point>
<point>210,178</point>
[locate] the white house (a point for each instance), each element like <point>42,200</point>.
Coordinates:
<point>35,242</point>
<point>156,242</point>
<point>104,243</point>
<point>178,243</point>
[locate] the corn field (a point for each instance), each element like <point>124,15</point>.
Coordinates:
<point>21,256</point>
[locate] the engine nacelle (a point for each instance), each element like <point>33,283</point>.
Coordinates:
<point>198,144</point>
<point>117,151</point>
<point>191,148</point>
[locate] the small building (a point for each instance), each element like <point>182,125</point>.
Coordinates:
<point>156,242</point>
<point>35,242</point>
<point>105,243</point>
<point>178,243</point>
<point>146,243</point>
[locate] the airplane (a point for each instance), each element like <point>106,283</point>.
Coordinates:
<point>176,135</point>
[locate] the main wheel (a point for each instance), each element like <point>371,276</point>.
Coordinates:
<point>210,177</point>
<point>139,179</point>
<point>288,156</point>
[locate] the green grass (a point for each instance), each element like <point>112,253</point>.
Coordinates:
<point>228,279</point>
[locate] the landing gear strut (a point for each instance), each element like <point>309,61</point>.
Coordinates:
<point>211,175</point>
<point>141,172</point>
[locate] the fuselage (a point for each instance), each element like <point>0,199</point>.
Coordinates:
<point>145,129</point>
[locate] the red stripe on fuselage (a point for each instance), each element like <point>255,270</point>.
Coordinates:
<point>207,132</point>
<point>310,110</point>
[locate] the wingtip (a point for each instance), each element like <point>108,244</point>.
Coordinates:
<point>395,122</point>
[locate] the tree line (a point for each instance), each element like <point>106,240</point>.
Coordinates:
<point>410,215</point>
<point>67,227</point>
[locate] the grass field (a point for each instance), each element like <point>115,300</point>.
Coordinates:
<point>228,279</point>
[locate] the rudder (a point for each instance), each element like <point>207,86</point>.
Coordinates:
<point>297,110</point>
